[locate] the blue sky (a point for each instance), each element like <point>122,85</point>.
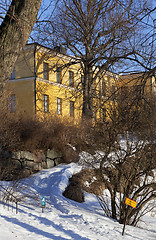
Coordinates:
<point>48,7</point>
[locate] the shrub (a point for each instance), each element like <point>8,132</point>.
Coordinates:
<point>74,192</point>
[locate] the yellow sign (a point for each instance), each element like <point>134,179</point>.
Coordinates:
<point>131,202</point>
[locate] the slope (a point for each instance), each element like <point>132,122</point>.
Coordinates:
<point>62,218</point>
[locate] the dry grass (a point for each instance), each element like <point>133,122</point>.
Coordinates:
<point>19,133</point>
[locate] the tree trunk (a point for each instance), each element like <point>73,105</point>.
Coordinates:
<point>87,109</point>
<point>113,204</point>
<point>14,33</point>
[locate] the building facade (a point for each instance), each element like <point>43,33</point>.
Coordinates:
<point>38,86</point>
<point>47,82</point>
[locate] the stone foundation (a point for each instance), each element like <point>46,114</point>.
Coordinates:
<point>34,161</point>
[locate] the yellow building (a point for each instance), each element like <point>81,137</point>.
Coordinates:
<point>38,86</point>
<point>136,92</point>
<point>137,82</point>
<point>46,82</point>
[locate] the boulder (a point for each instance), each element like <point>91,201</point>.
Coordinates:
<point>39,156</point>
<point>50,163</point>
<point>27,155</point>
<point>16,155</point>
<point>29,164</point>
<point>37,166</point>
<point>52,154</point>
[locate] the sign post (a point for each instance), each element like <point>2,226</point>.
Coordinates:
<point>130,203</point>
<point>43,203</point>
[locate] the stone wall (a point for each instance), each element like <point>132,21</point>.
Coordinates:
<point>36,160</point>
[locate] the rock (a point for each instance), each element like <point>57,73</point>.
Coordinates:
<point>29,164</point>
<point>25,173</point>
<point>44,165</point>
<point>37,166</point>
<point>16,155</point>
<point>17,163</point>
<point>38,156</point>
<point>52,154</point>
<point>57,161</point>
<point>50,163</point>
<point>27,155</point>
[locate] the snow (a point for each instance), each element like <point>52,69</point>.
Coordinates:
<point>63,218</point>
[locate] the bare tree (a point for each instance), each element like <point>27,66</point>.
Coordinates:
<point>99,34</point>
<point>126,168</point>
<point>14,33</point>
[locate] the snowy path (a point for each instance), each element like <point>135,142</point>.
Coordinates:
<point>62,218</point>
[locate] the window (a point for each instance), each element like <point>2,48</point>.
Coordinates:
<point>71,108</point>
<point>45,70</point>
<point>12,103</point>
<point>12,76</point>
<point>71,79</point>
<point>45,103</point>
<point>58,76</point>
<point>59,106</point>
<point>93,114</point>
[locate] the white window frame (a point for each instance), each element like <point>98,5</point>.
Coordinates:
<point>94,114</point>
<point>45,103</point>
<point>59,106</point>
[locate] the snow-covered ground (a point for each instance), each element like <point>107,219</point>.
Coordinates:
<point>63,218</point>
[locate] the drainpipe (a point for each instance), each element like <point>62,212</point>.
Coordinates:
<point>35,77</point>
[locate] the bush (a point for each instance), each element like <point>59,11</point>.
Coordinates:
<point>28,134</point>
<point>74,192</point>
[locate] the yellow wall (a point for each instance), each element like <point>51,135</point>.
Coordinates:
<point>26,81</point>
<point>104,100</point>
<point>24,67</point>
<point>140,79</point>
<point>24,92</point>
<point>23,84</point>
<point>55,90</point>
<point>55,62</point>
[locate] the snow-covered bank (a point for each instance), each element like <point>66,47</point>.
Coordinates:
<point>62,218</point>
